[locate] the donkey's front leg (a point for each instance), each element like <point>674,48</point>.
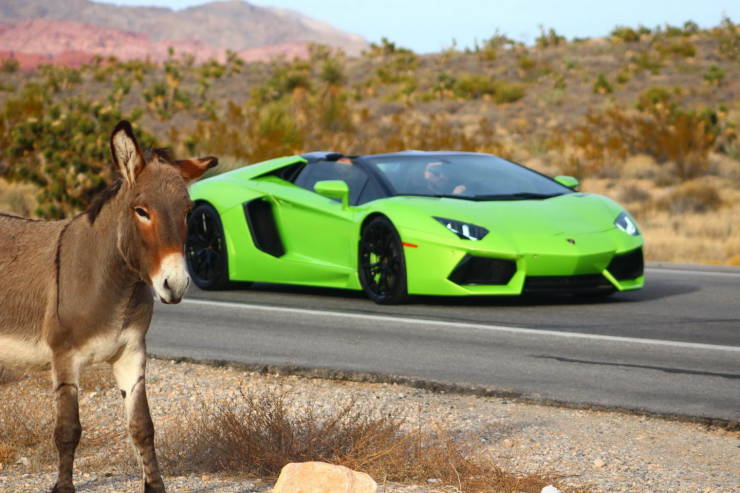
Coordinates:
<point>129,370</point>
<point>67,429</point>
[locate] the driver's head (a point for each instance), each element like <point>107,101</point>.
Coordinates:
<point>435,173</point>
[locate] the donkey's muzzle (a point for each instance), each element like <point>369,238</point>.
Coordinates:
<point>172,280</point>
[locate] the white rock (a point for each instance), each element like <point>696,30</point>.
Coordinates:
<point>550,489</point>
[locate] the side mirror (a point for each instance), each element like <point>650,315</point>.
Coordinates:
<point>568,181</point>
<point>333,189</point>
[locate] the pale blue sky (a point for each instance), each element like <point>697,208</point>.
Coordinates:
<point>432,25</point>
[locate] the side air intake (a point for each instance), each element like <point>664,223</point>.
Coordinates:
<point>263,228</point>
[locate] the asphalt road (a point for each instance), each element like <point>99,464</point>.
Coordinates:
<point>672,348</point>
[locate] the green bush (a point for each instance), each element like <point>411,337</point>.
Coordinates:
<point>62,148</point>
<point>549,38</point>
<point>644,61</point>
<point>677,48</point>
<point>10,66</point>
<point>625,34</point>
<point>602,85</point>
<point>714,76</point>
<point>728,37</point>
<point>476,86</point>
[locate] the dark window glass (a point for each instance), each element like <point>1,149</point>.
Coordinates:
<point>349,173</point>
<point>471,176</point>
<point>371,191</point>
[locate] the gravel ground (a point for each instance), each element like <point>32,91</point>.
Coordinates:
<point>606,451</point>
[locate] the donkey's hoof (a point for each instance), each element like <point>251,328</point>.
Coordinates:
<point>63,489</point>
<point>154,488</point>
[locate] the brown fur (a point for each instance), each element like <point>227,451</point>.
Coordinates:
<point>80,290</point>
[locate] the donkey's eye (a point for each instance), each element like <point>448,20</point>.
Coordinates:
<point>141,212</point>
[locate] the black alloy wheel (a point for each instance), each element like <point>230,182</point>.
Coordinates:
<point>205,249</point>
<point>382,266</point>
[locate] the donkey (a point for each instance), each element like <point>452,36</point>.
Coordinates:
<point>79,291</point>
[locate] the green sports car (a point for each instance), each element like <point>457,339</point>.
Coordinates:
<point>409,223</point>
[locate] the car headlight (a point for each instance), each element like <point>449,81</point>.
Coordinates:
<point>627,224</point>
<point>465,231</point>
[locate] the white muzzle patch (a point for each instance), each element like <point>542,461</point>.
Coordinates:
<point>172,280</point>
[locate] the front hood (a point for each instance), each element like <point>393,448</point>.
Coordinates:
<point>573,213</point>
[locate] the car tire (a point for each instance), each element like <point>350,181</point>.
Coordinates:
<point>381,262</point>
<point>205,249</point>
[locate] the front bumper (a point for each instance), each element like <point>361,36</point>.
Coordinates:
<point>589,263</point>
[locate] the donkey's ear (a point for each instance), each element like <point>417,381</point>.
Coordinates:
<point>193,168</point>
<point>126,153</point>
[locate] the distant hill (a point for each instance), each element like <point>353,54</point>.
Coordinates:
<point>43,29</point>
<point>41,41</point>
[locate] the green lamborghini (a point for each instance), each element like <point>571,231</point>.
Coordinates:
<point>409,223</point>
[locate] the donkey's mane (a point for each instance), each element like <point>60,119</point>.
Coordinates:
<point>162,153</point>
<point>102,199</point>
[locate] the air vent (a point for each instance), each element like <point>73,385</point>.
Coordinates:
<point>483,270</point>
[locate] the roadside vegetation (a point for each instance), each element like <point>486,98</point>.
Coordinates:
<point>253,435</point>
<point>647,116</point>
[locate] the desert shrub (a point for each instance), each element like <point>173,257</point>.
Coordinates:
<point>625,34</point>
<point>508,92</point>
<point>8,453</point>
<point>61,148</point>
<point>727,35</point>
<point>641,166</point>
<point>257,435</point>
<point>676,48</point>
<point>17,199</point>
<point>644,61</point>
<point>475,86</point>
<point>59,78</point>
<point>10,66</point>
<point>602,85</point>
<point>660,128</point>
<point>332,72</point>
<point>714,75</point>
<point>632,193</point>
<point>689,28</point>
<point>249,132</point>
<point>27,416</point>
<point>548,38</point>
<point>525,62</point>
<point>692,196</point>
<point>384,49</point>
<point>490,49</point>
<point>622,77</point>
<point>396,67</point>
<point>444,84</point>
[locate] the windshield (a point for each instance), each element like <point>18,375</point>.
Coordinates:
<point>464,176</point>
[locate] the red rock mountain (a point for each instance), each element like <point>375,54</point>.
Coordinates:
<point>72,32</point>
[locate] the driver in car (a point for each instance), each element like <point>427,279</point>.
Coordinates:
<point>438,179</point>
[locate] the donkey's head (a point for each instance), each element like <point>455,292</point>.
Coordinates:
<point>152,223</point>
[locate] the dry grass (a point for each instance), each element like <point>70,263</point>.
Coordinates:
<point>692,196</point>
<point>19,199</point>
<point>27,415</point>
<point>256,435</point>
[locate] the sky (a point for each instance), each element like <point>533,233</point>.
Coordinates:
<point>428,26</point>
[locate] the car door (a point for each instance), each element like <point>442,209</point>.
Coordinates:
<point>319,234</point>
